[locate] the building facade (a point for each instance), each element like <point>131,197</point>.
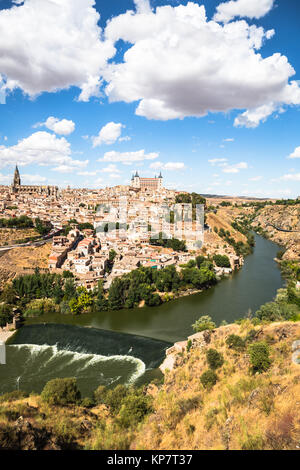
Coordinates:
<point>17,187</point>
<point>146,184</point>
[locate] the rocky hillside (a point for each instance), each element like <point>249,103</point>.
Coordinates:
<point>243,410</point>
<point>231,398</point>
<point>284,217</point>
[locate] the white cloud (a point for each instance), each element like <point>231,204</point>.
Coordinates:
<point>128,157</point>
<point>243,8</point>
<point>218,161</point>
<point>87,173</point>
<point>228,140</point>
<point>110,169</point>
<point>168,166</point>
<point>253,117</point>
<point>182,65</point>
<point>291,177</point>
<point>109,134</point>
<point>41,148</point>
<point>53,47</point>
<point>235,168</point>
<point>5,179</point>
<point>295,154</point>
<point>256,178</point>
<point>33,179</point>
<point>142,6</point>
<point>61,127</point>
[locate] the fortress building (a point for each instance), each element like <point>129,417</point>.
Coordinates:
<point>17,187</point>
<point>146,184</point>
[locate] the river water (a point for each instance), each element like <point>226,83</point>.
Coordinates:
<point>107,353</point>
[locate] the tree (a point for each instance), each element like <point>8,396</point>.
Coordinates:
<point>116,295</point>
<point>135,406</point>
<point>6,314</point>
<point>222,261</point>
<point>214,358</point>
<point>69,289</point>
<point>199,260</point>
<point>61,392</point>
<point>101,300</point>
<point>235,342</point>
<point>259,357</point>
<point>204,323</point>
<point>209,379</point>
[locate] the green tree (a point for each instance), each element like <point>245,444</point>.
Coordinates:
<point>209,379</point>
<point>61,392</point>
<point>214,359</point>
<point>204,323</point>
<point>259,357</point>
<point>116,294</point>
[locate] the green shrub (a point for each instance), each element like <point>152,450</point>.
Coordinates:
<point>87,402</point>
<point>214,359</point>
<point>204,323</point>
<point>209,379</point>
<point>61,392</point>
<point>189,345</point>
<point>222,261</point>
<point>235,342</point>
<point>100,394</point>
<point>135,406</point>
<point>259,357</point>
<point>114,398</point>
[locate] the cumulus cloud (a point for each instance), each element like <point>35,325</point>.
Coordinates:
<point>295,154</point>
<point>180,64</point>
<point>235,168</point>
<point>243,8</point>
<point>108,135</point>
<point>128,157</point>
<point>110,169</point>
<point>61,127</point>
<point>168,166</point>
<point>291,177</point>
<point>53,47</point>
<point>33,179</point>
<point>41,148</point>
<point>87,173</point>
<point>218,161</point>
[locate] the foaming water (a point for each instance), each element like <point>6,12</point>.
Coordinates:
<point>30,366</point>
<point>39,353</point>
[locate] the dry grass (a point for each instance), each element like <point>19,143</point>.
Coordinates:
<point>23,260</point>
<point>241,411</point>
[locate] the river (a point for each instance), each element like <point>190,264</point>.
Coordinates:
<point>122,358</point>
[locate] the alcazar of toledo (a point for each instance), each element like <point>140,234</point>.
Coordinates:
<point>153,184</point>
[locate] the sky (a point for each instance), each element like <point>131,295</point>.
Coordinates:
<point>205,92</point>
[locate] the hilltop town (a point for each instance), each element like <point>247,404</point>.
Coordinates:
<point>105,233</point>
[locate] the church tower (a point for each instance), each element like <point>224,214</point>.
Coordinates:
<point>17,179</point>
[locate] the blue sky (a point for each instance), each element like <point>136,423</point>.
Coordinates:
<point>192,98</point>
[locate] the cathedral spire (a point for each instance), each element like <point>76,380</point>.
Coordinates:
<point>17,179</point>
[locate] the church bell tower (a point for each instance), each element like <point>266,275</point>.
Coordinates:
<point>17,178</point>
